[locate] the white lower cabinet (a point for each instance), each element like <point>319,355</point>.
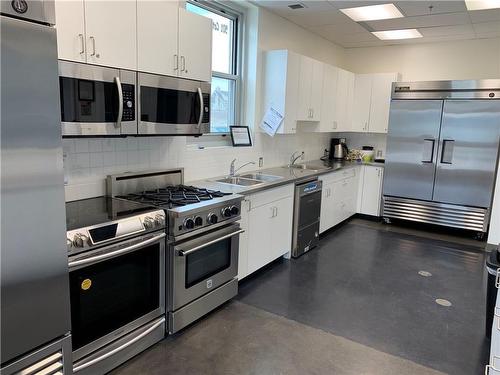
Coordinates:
<point>267,219</point>
<point>371,190</point>
<point>339,197</point>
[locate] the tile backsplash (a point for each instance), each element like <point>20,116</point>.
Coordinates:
<point>87,162</point>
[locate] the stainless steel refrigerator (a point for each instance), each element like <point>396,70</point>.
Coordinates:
<point>442,152</point>
<point>35,320</point>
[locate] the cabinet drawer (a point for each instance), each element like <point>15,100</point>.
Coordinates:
<point>345,189</point>
<point>339,175</point>
<point>272,195</point>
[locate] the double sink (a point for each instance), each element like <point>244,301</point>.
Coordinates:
<point>252,179</point>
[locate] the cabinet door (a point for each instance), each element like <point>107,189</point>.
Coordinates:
<point>316,90</point>
<point>304,110</point>
<point>70,26</point>
<point>195,46</point>
<point>372,184</point>
<point>326,215</point>
<point>111,28</point>
<point>361,102</point>
<point>328,122</point>
<point>281,227</point>
<point>259,238</point>
<point>381,102</point>
<point>345,90</point>
<point>157,24</point>
<point>243,248</point>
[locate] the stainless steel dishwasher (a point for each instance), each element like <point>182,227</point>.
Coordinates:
<point>307,207</point>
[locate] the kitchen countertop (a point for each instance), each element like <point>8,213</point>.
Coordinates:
<point>289,175</point>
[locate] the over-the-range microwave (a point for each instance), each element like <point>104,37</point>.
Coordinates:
<point>99,101</point>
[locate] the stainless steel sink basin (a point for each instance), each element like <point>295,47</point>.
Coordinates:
<point>240,181</point>
<point>261,177</point>
<point>308,167</point>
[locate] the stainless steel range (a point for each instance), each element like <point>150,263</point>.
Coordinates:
<point>116,264</point>
<point>202,240</point>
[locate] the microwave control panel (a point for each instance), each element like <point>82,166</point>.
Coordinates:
<point>128,102</point>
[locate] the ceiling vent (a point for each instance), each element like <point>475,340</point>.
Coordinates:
<point>296,6</point>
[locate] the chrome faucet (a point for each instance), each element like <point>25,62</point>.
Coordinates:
<point>294,158</point>
<point>232,170</point>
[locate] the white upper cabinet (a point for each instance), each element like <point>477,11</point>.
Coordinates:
<point>310,89</point>
<point>372,100</point>
<point>328,121</point>
<point>111,30</point>
<point>70,26</point>
<point>361,102</point>
<point>345,91</point>
<point>157,25</point>
<point>195,46</point>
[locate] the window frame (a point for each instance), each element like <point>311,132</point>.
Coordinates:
<point>237,16</point>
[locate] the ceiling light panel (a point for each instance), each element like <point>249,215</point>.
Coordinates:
<point>397,34</point>
<point>373,12</point>
<point>482,4</point>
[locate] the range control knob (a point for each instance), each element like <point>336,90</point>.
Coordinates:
<point>69,243</point>
<point>149,222</point>
<point>189,223</point>
<point>212,218</point>
<point>159,220</point>
<point>226,212</point>
<point>80,240</point>
<point>198,221</point>
<point>235,210</point>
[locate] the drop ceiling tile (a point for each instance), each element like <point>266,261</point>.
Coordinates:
<point>316,4</point>
<point>375,43</point>
<point>447,30</point>
<point>487,35</point>
<point>340,29</point>
<point>478,16</point>
<point>307,17</point>
<point>421,8</point>
<point>354,4</point>
<point>487,27</point>
<point>436,39</point>
<point>446,19</point>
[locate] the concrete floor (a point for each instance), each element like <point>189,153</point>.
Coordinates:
<point>354,305</point>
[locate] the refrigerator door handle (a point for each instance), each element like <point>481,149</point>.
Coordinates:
<point>428,154</point>
<point>447,151</point>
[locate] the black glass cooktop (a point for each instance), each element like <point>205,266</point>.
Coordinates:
<point>93,211</point>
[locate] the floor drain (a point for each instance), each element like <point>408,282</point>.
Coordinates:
<point>443,302</point>
<point>424,273</point>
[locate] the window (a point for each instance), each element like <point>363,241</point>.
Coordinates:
<point>224,106</point>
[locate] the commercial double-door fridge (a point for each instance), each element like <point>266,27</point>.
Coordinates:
<point>442,153</point>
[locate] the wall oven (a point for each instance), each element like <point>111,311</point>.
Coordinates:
<point>203,271</point>
<point>97,101</point>
<point>173,106</point>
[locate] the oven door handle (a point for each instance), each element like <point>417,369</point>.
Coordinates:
<point>120,348</point>
<point>202,107</point>
<point>196,248</point>
<point>118,123</point>
<point>113,254</point>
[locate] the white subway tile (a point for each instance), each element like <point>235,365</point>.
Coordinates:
<point>95,145</point>
<point>108,145</point>
<point>81,145</point>
<point>96,160</point>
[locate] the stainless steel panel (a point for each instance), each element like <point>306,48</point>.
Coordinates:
<point>456,216</point>
<point>181,318</point>
<point>411,148</point>
<point>121,350</point>
<point>54,357</point>
<point>468,152</point>
<point>34,270</point>
<point>130,182</point>
<point>154,128</point>
<point>465,89</point>
<point>181,295</point>
<point>36,10</point>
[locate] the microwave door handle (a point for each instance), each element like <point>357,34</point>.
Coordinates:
<point>113,254</point>
<point>202,107</point>
<point>196,248</point>
<point>118,123</point>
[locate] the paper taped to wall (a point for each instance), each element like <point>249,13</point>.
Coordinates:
<point>271,121</point>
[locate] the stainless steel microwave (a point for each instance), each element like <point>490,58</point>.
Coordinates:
<point>97,101</point>
<point>172,106</point>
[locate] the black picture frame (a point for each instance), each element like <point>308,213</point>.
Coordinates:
<point>249,144</point>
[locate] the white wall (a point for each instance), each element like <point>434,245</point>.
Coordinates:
<point>466,59</point>
<point>88,162</point>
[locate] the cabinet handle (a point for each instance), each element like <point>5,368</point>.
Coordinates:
<point>183,64</point>
<point>92,39</point>
<point>82,44</point>
<point>312,112</point>
<point>275,211</point>
<point>335,124</point>
<point>249,205</point>
<point>378,172</point>
<point>176,62</point>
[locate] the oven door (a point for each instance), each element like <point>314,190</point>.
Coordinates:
<point>114,290</point>
<point>97,101</point>
<point>202,264</point>
<point>173,106</point>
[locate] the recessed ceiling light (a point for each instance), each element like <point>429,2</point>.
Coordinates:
<point>397,34</point>
<point>373,12</point>
<point>482,4</point>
